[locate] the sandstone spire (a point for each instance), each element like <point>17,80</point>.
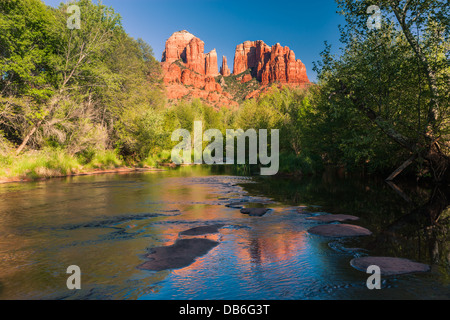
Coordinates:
<point>212,68</point>
<point>224,70</point>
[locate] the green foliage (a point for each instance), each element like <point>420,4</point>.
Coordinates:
<point>83,89</point>
<point>49,162</point>
<point>387,95</point>
<point>26,49</point>
<point>93,98</point>
<point>233,85</point>
<point>104,159</point>
<point>156,159</point>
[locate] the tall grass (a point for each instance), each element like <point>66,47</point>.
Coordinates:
<point>53,163</point>
<point>153,160</point>
<point>105,159</point>
<point>39,164</point>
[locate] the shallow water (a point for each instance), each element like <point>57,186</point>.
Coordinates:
<point>106,224</point>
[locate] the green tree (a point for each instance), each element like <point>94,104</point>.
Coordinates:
<point>397,77</point>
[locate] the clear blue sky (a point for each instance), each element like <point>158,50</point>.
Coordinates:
<point>302,25</point>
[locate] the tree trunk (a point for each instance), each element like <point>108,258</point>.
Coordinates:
<point>29,135</point>
<point>439,164</point>
<point>399,170</point>
<point>438,161</point>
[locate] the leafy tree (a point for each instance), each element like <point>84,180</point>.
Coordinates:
<point>397,77</point>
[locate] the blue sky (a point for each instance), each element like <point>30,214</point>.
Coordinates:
<point>301,25</point>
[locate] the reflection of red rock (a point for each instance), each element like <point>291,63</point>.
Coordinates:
<point>269,64</point>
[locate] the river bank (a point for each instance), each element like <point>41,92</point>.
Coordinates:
<point>87,173</point>
<point>54,163</point>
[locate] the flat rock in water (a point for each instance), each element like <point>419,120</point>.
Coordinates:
<point>235,205</point>
<point>339,230</point>
<point>179,255</point>
<point>255,212</point>
<point>389,266</point>
<point>198,231</point>
<point>333,218</point>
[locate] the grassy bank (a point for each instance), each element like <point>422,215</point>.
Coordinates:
<point>48,163</point>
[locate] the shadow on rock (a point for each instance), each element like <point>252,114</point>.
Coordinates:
<point>179,255</point>
<point>199,231</point>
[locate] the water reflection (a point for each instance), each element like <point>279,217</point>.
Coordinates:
<point>408,220</point>
<point>422,233</point>
<point>105,224</point>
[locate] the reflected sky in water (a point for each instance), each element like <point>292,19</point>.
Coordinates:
<point>106,224</point>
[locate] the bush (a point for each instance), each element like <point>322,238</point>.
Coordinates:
<point>153,160</point>
<point>105,159</point>
<point>39,164</point>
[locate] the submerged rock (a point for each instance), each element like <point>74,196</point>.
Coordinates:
<point>198,231</point>
<point>179,255</point>
<point>339,230</point>
<point>389,265</point>
<point>339,247</point>
<point>255,212</point>
<point>235,205</point>
<point>334,218</point>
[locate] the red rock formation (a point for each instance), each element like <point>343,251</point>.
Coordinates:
<point>224,70</point>
<point>210,84</point>
<point>184,61</point>
<point>195,58</point>
<point>176,46</point>
<point>250,54</point>
<point>269,64</point>
<point>189,72</point>
<point>244,57</point>
<point>246,78</point>
<point>190,78</point>
<point>211,64</point>
<point>172,73</point>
